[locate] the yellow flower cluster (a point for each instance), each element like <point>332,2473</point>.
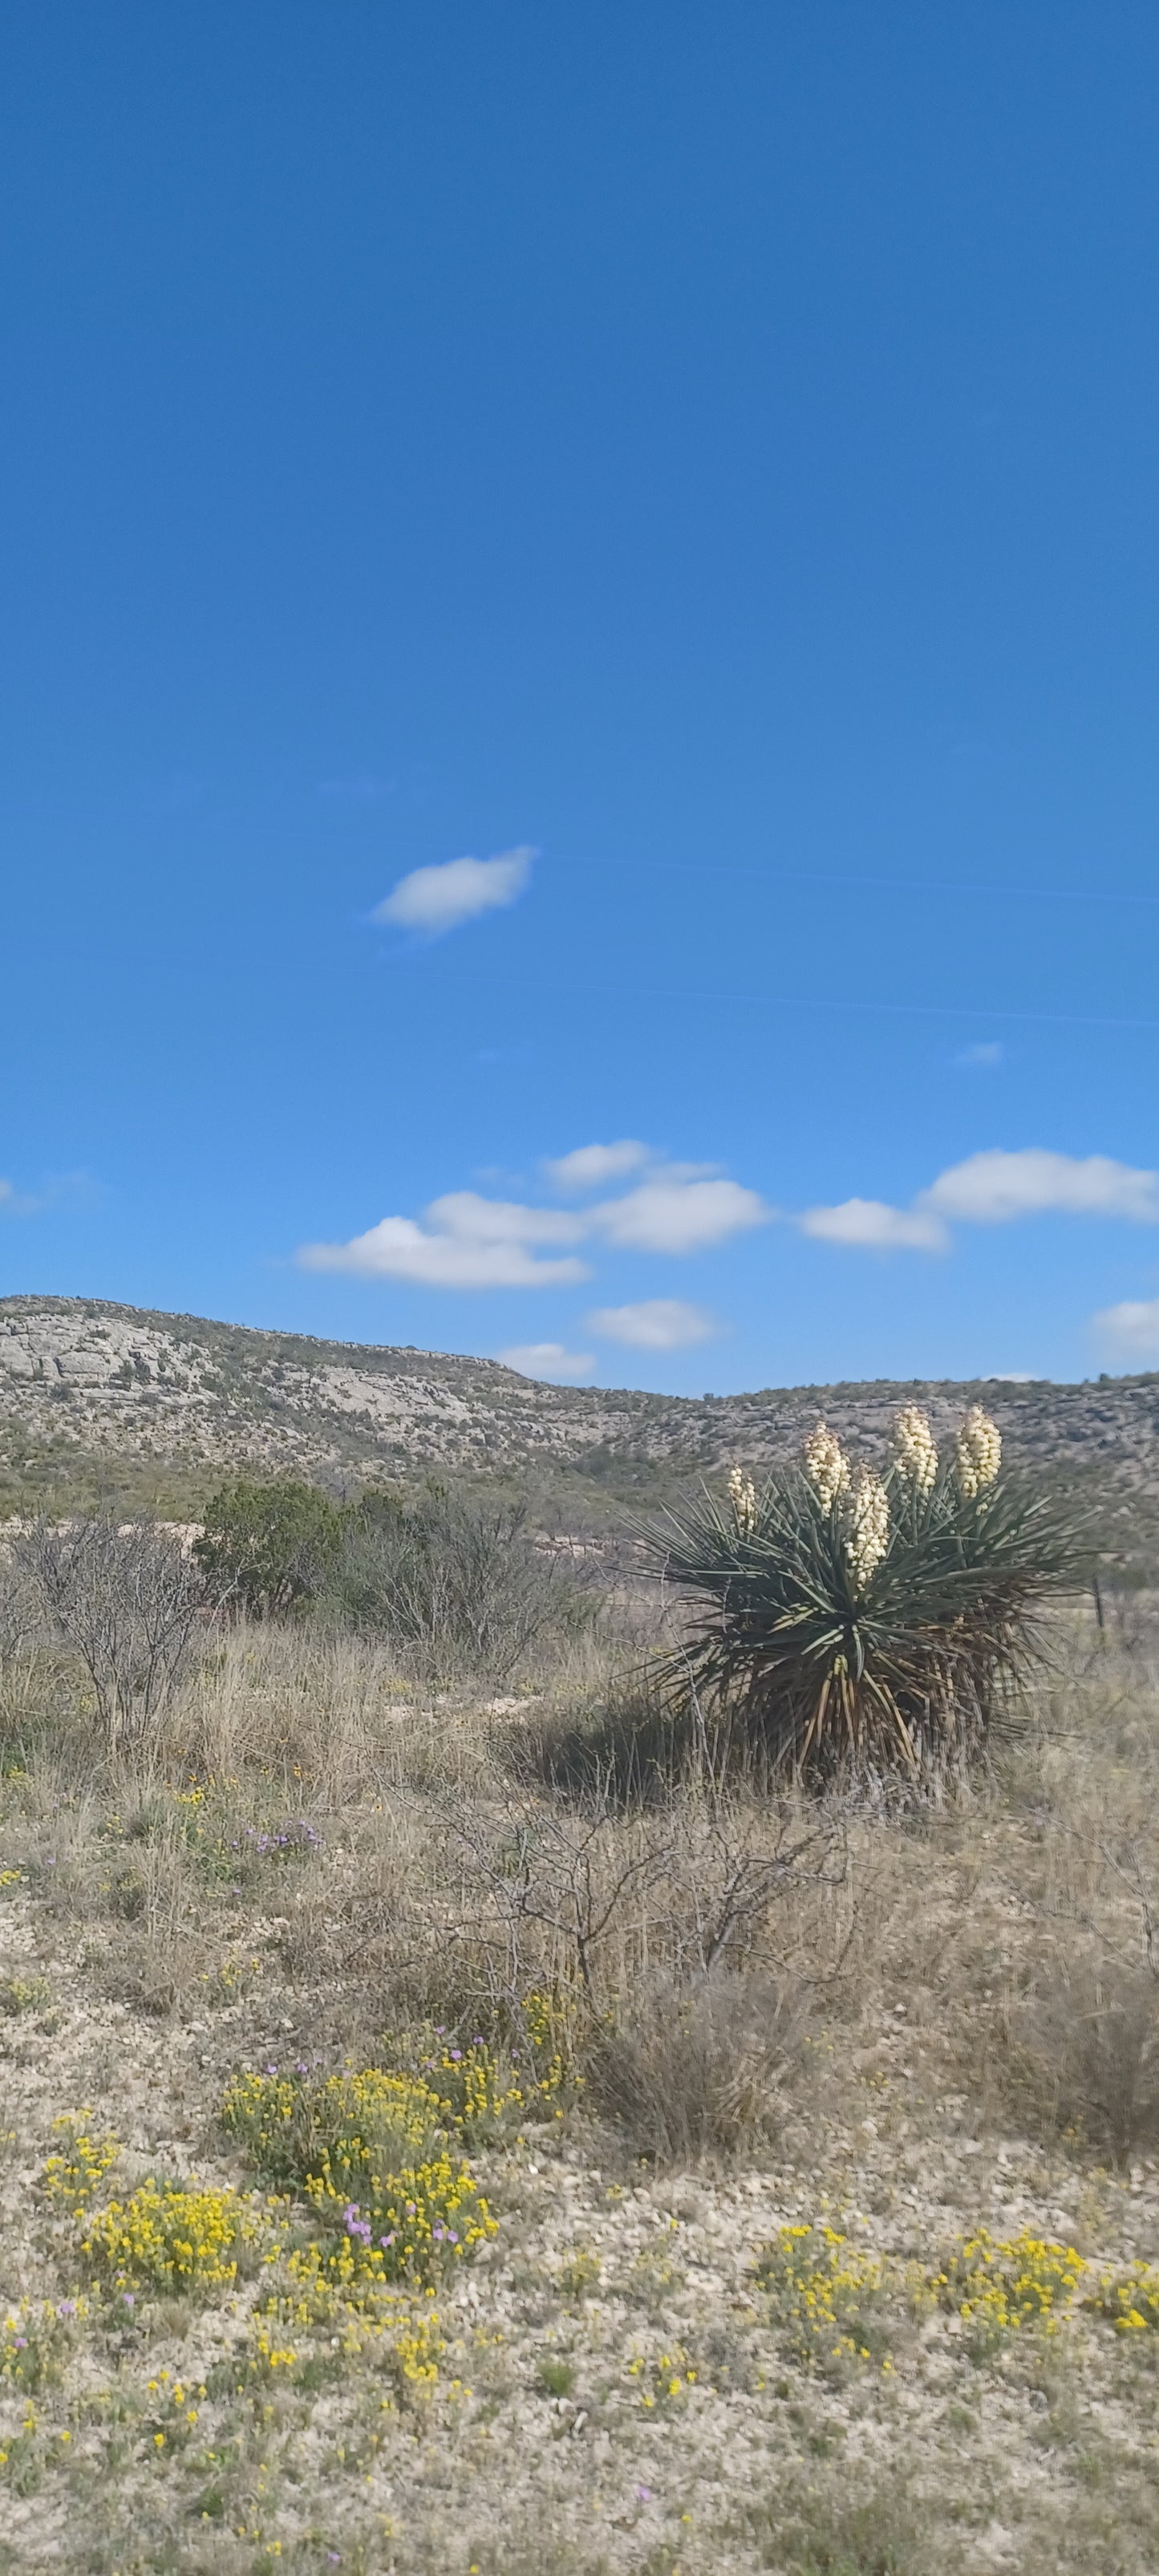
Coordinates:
<point>822,2292</point>
<point>742,1494</point>
<point>175,2411</point>
<point>978,1453</point>
<point>369,2152</point>
<point>1129,2300</point>
<point>169,2237</point>
<point>549,2019</point>
<point>664,2378</point>
<point>826,1465</point>
<point>409,2225</point>
<point>914,1450</point>
<point>479,2094</point>
<point>72,2178</point>
<point>287,2121</point>
<point>17,2448</point>
<point>997,2284</point>
<point>324,2291</point>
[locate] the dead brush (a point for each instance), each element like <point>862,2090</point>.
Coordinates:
<point>602,1898</point>
<point>126,1600</point>
<point>1091,2031</point>
<point>667,1931</point>
<point>688,2071</point>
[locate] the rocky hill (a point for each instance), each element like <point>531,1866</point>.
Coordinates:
<point>111,1398</point>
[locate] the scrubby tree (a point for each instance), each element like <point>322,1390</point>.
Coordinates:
<point>269,1548</point>
<point>126,1600</point>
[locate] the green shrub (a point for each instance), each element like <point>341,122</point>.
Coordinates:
<point>849,1619</point>
<point>268,1548</point>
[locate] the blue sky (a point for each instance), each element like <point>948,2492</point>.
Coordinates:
<point>699,464</point>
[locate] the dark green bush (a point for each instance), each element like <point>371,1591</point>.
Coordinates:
<point>269,1548</point>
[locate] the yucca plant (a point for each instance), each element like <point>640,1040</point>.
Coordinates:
<point>842,1618</point>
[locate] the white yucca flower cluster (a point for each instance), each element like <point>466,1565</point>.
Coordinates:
<point>826,1465</point>
<point>914,1450</point>
<point>863,1497</point>
<point>979,1453</point>
<point>868,1529</point>
<point>742,1494</point>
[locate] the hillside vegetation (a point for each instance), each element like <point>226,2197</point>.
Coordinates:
<point>104,1400</point>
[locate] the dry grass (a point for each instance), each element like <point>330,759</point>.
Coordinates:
<point>926,2016</point>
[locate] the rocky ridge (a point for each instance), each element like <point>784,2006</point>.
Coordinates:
<point>129,1393</point>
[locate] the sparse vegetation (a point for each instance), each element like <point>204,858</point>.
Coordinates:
<point>444,2116</point>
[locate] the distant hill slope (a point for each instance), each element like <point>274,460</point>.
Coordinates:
<point>97,1395</point>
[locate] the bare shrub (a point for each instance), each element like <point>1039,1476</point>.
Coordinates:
<point>126,1601</point>
<point>692,2071</point>
<point>20,1611</point>
<point>600,1900</point>
<point>460,1583</point>
<point>1094,2031</point>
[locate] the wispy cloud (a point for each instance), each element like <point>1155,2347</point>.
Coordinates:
<point>360,788</point>
<point>655,1324</point>
<point>1129,1331</point>
<point>549,1360</point>
<point>983,1057</point>
<point>591,1167</point>
<point>61,1189</point>
<point>441,898</point>
<point>873,1222</point>
<point>468,1241</point>
<point>993,1188</point>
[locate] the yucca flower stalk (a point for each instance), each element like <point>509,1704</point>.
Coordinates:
<point>868,1621</point>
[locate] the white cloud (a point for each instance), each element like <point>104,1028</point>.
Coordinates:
<point>991,1052</point>
<point>992,1188</point>
<point>472,1219</point>
<point>592,1166</point>
<point>672,1213</point>
<point>1130,1331</point>
<point>656,1324</point>
<point>438,899</point>
<point>549,1360</point>
<point>872,1222</point>
<point>468,1243</point>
